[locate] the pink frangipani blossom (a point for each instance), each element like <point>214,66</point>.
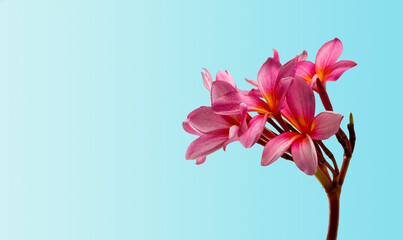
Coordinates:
<point>273,81</point>
<point>300,112</point>
<point>216,131</point>
<point>326,68</point>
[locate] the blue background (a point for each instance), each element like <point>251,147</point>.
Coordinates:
<point>93,94</point>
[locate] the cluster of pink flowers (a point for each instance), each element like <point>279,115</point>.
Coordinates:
<point>283,97</point>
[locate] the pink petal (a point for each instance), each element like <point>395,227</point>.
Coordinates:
<point>275,55</point>
<point>207,80</point>
<point>281,92</point>
<point>232,136</point>
<point>219,89</point>
<point>267,78</point>
<point>255,93</point>
<point>189,129</point>
<point>304,155</point>
<point>327,56</point>
<point>243,124</point>
<point>205,145</point>
<point>277,147</point>
<point>312,84</point>
<point>200,160</point>
<point>339,68</point>
<point>230,104</point>
<point>256,126</point>
<point>252,82</point>
<point>286,112</point>
<point>325,125</point>
<point>301,102</point>
<point>288,69</point>
<point>303,56</point>
<point>243,92</point>
<point>226,77</point>
<point>306,70</point>
<point>205,120</point>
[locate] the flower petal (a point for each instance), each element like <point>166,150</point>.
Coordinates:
<point>281,92</point>
<point>325,125</point>
<point>255,93</point>
<point>200,160</point>
<point>306,70</point>
<point>189,129</point>
<point>277,147</point>
<point>267,78</point>
<point>232,136</point>
<point>255,128</point>
<point>339,68</point>
<point>244,113</point>
<point>220,88</point>
<point>207,80</point>
<point>252,82</point>
<point>275,55</point>
<point>230,104</point>
<point>205,145</point>
<point>287,70</point>
<point>301,102</point>
<point>205,120</point>
<point>304,155</point>
<point>327,56</point>
<point>303,56</point>
<point>226,77</point>
<point>286,112</point>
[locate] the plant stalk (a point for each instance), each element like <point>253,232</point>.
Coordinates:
<point>334,208</point>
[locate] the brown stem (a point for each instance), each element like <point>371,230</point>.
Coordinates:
<point>322,160</point>
<point>323,95</point>
<point>282,123</point>
<point>269,120</point>
<point>330,155</point>
<point>334,208</point>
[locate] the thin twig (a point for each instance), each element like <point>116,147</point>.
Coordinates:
<point>329,155</point>
<point>322,160</point>
<point>282,123</point>
<point>279,129</point>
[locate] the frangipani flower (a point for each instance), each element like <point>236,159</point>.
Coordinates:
<point>302,57</point>
<point>217,131</point>
<point>326,68</point>
<point>273,81</point>
<point>214,132</point>
<point>300,112</point>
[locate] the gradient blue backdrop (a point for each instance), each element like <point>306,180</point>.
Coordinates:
<point>93,94</point>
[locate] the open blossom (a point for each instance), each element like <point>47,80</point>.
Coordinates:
<point>300,112</point>
<point>302,57</point>
<point>273,81</point>
<point>326,68</point>
<point>217,131</point>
